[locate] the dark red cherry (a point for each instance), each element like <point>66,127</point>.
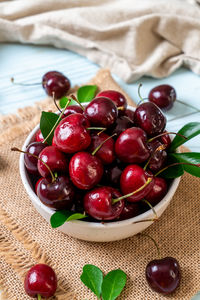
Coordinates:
<point>158,191</point>
<point>85,170</point>
<point>72,109</point>
<point>71,134</point>
<point>112,174</point>
<point>122,123</point>
<point>30,161</point>
<point>129,113</point>
<point>158,156</point>
<point>130,210</point>
<point>165,140</point>
<point>163,275</point>
<point>39,137</point>
<point>55,160</point>
<point>98,203</point>
<point>133,177</point>
<point>106,151</point>
<point>116,97</point>
<point>58,194</point>
<point>55,83</point>
<point>101,111</point>
<point>150,118</point>
<point>163,96</point>
<point>131,146</point>
<point>40,280</point>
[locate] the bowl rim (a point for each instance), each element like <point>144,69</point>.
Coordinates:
<point>112,224</point>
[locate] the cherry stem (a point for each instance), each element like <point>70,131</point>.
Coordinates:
<point>39,297</point>
<point>189,105</point>
<point>131,194</point>
<point>158,249</point>
<point>77,101</point>
<point>97,149</point>
<point>23,84</point>
<point>52,129</point>
<point>164,133</point>
<point>121,108</point>
<point>25,152</point>
<point>159,148</point>
<point>54,100</point>
<point>141,101</point>
<point>96,128</point>
<point>139,87</point>
<point>176,164</point>
<point>101,131</point>
<point>153,209</point>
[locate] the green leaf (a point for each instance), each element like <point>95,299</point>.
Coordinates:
<point>63,101</point>
<point>191,158</point>
<point>86,93</point>
<point>47,121</point>
<point>190,130</point>
<point>174,171</point>
<point>62,216</point>
<point>92,277</point>
<point>113,284</point>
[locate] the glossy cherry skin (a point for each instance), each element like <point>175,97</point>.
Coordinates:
<point>55,160</point>
<point>101,112</point>
<point>30,161</point>
<point>131,146</point>
<point>117,97</point>
<point>71,134</point>
<point>133,177</point>
<point>40,280</point>
<point>55,83</point>
<point>39,137</point>
<point>158,157</point>
<point>72,109</point>
<point>130,210</point>
<point>150,118</point>
<point>58,194</point>
<point>122,123</point>
<point>158,191</point>
<point>165,140</point>
<point>129,113</point>
<point>106,152</point>
<point>85,170</point>
<point>163,275</point>
<point>98,203</point>
<point>163,96</point>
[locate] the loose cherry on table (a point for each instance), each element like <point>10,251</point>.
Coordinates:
<point>71,134</point>
<point>55,84</point>
<point>131,146</point>
<point>30,161</point>
<point>119,99</point>
<point>40,281</point>
<point>101,111</point>
<point>150,118</point>
<point>163,96</point>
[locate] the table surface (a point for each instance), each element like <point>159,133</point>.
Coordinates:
<point>28,64</point>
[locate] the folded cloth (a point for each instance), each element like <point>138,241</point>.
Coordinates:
<point>131,37</point>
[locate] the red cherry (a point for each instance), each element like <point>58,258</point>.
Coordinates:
<point>112,174</point>
<point>165,140</point>
<point>163,96</point>
<point>158,157</point>
<point>130,210</point>
<point>98,203</point>
<point>130,114</point>
<point>122,123</point>
<point>58,194</point>
<point>106,152</point>
<point>163,275</point>
<point>150,118</point>
<point>131,146</point>
<point>72,109</point>
<point>55,83</point>
<point>39,137</point>
<point>101,112</point>
<point>71,134</point>
<point>158,191</point>
<point>116,97</point>
<point>40,280</point>
<point>133,177</point>
<point>85,170</point>
<point>30,162</point>
<point>55,160</point>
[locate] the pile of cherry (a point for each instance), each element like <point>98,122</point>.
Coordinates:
<point>103,159</point>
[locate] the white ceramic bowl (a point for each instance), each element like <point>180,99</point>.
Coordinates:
<point>91,231</point>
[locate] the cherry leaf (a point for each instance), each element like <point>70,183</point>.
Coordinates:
<point>190,130</point>
<point>63,101</point>
<point>47,121</point>
<point>92,277</point>
<point>189,158</point>
<point>62,216</point>
<point>113,284</point>
<point>86,93</point>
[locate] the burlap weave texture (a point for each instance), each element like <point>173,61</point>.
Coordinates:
<point>25,238</point>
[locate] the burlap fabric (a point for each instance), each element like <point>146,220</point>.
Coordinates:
<point>25,238</point>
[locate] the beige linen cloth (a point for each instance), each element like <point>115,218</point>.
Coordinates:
<point>131,37</point>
